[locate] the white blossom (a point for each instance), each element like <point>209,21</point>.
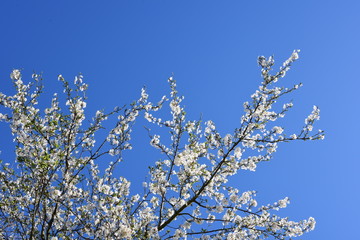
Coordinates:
<point>56,190</point>
<point>15,75</point>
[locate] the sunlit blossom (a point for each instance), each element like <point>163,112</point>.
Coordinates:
<point>56,189</point>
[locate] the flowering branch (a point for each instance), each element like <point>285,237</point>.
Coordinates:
<point>56,190</point>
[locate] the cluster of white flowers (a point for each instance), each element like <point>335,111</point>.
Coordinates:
<point>56,190</point>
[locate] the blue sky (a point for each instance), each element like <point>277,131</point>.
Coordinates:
<point>211,47</point>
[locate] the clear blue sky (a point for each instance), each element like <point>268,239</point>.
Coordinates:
<point>211,47</point>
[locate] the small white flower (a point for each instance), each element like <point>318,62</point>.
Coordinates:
<point>293,136</point>
<point>278,130</point>
<point>237,153</point>
<point>295,55</point>
<point>15,75</point>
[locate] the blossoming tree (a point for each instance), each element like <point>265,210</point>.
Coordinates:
<point>55,189</point>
